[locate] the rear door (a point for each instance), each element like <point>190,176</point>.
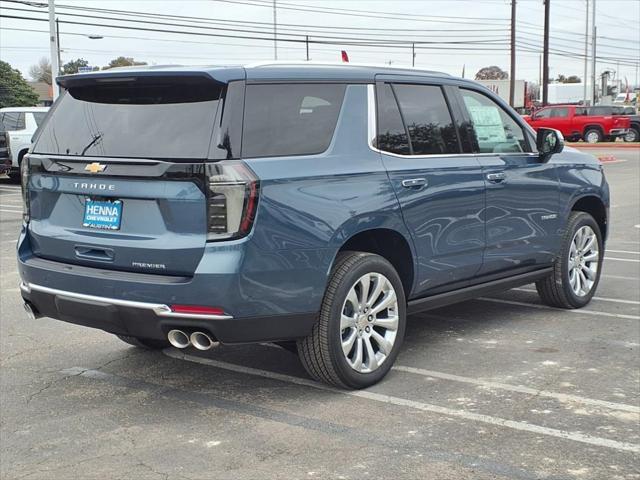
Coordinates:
<point>118,175</point>
<point>439,187</point>
<point>522,193</point>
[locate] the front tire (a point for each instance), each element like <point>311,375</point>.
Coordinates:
<point>361,324</point>
<point>576,272</point>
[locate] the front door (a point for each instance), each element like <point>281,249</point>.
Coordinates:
<point>522,195</point>
<point>440,188</point>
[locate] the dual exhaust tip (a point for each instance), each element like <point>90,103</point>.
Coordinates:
<point>200,340</point>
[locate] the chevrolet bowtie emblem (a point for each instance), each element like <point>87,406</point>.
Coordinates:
<point>95,167</point>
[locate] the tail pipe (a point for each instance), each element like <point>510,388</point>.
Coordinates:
<point>178,338</point>
<point>203,341</point>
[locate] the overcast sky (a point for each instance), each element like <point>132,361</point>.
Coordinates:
<point>618,23</point>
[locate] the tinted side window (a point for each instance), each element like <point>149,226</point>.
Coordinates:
<point>496,131</point>
<point>427,119</point>
<point>290,119</point>
<point>559,112</point>
<point>580,111</point>
<point>13,120</point>
<point>545,113</point>
<point>392,136</point>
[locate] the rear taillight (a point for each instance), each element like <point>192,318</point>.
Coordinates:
<point>24,184</point>
<point>232,200</point>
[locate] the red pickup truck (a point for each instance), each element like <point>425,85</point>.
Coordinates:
<point>576,122</point>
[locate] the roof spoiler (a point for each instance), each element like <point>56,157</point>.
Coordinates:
<point>215,76</point>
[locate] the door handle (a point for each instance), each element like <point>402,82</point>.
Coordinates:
<point>496,177</point>
<point>414,183</point>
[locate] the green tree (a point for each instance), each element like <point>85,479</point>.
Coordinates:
<point>14,89</point>
<point>492,73</point>
<point>122,62</point>
<point>74,66</point>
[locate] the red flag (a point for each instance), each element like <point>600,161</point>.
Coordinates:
<point>345,57</point>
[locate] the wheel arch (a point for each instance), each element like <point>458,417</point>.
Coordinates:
<point>389,244</point>
<point>592,126</point>
<point>595,207</point>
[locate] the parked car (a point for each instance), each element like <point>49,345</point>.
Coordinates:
<point>5,159</point>
<point>20,123</point>
<point>629,112</point>
<point>576,122</point>
<point>315,204</point>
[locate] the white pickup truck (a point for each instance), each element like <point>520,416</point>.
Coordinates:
<point>20,124</point>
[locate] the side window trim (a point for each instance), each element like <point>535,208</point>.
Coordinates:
<point>513,117</point>
<point>376,118</point>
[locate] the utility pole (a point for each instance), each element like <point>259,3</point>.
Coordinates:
<point>58,42</point>
<point>593,52</point>
<point>586,53</point>
<point>275,32</point>
<point>413,54</point>
<point>512,78</point>
<point>306,42</point>
<point>53,46</point>
<point>545,54</point>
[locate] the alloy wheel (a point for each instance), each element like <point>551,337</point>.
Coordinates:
<point>369,322</point>
<point>583,261</point>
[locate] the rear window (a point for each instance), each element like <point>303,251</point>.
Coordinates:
<point>133,120</point>
<point>290,119</point>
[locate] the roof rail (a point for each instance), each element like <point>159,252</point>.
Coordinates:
<point>337,64</point>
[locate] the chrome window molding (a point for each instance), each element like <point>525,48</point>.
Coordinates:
<point>159,309</point>
<point>372,130</point>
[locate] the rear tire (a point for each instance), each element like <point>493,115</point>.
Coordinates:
<point>575,278</point>
<point>592,135</point>
<point>633,135</point>
<point>146,343</point>
<point>361,323</point>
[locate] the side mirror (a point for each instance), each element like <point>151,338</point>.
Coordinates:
<point>549,141</point>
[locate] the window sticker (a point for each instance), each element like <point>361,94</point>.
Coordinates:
<point>487,123</point>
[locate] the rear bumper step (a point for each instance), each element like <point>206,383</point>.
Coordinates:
<point>159,309</point>
<point>156,320</point>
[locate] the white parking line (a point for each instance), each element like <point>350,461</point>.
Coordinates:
<point>630,260</point>
<point>403,402</point>
<point>623,251</point>
<point>545,307</point>
<point>11,211</point>
<point>603,299</point>
<point>620,277</point>
<point>520,389</point>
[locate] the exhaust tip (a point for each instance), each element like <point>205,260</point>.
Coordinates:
<point>32,311</point>
<point>178,339</point>
<point>202,341</point>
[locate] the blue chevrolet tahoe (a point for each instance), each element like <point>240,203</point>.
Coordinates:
<point>314,206</point>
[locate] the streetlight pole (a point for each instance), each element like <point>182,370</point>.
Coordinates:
<point>53,48</point>
<point>593,52</point>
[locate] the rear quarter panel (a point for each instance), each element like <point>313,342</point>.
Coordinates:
<point>310,206</point>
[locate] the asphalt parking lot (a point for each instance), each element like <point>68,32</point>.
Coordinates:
<point>498,387</point>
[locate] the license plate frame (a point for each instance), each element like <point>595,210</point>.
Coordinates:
<point>102,214</point>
